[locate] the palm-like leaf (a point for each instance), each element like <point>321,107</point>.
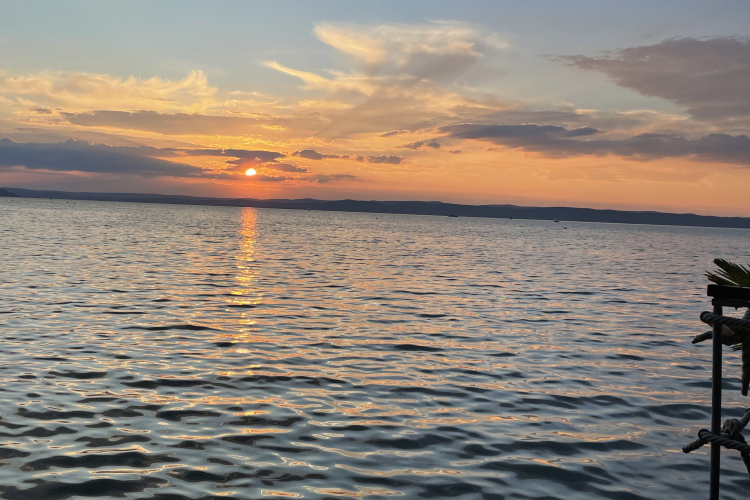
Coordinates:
<point>730,274</point>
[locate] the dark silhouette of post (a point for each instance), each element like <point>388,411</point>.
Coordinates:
<point>716,409</point>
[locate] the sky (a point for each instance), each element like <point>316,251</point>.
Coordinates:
<point>638,105</point>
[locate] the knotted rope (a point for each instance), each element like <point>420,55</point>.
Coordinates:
<point>731,438</point>
<point>735,323</point>
<point>735,332</point>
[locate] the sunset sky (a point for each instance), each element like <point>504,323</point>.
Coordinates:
<point>632,105</point>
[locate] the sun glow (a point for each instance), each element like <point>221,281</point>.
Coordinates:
<point>250,171</point>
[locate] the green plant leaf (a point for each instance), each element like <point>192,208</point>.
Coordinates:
<point>729,274</point>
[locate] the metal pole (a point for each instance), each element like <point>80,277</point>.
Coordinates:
<point>716,409</point>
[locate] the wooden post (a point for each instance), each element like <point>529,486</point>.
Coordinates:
<point>716,409</point>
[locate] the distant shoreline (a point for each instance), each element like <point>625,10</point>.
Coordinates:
<point>562,214</point>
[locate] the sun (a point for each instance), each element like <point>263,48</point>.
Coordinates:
<point>250,171</point>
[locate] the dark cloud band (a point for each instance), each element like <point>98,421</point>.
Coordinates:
<point>560,142</point>
<point>143,161</point>
<point>83,156</point>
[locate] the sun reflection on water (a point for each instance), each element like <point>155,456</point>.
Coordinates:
<point>248,292</point>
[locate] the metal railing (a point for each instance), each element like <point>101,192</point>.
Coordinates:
<point>734,332</point>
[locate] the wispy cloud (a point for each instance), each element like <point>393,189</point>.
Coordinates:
<point>311,154</point>
<point>167,123</point>
<point>400,75</point>
<point>394,132</point>
<point>389,159</point>
<point>709,77</point>
<point>76,90</point>
<point>438,51</point>
<point>285,167</point>
<point>432,143</point>
<point>325,179</point>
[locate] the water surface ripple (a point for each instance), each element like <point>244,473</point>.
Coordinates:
<point>176,352</point>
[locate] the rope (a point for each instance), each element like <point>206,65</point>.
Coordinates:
<point>724,441</point>
<point>732,427</point>
<point>704,336</point>
<point>729,341</point>
<point>708,317</point>
<point>731,438</point>
<point>745,419</point>
<point>735,332</point>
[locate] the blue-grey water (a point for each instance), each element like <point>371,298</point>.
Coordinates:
<point>179,352</point>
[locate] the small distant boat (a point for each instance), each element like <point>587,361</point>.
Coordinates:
<point>452,215</point>
<point>556,220</point>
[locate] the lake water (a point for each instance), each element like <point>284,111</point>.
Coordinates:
<point>179,352</point>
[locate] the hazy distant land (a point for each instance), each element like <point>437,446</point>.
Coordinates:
<point>407,207</point>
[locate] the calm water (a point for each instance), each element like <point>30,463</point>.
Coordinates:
<point>177,352</point>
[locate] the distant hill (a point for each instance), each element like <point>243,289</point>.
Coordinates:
<point>408,207</point>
